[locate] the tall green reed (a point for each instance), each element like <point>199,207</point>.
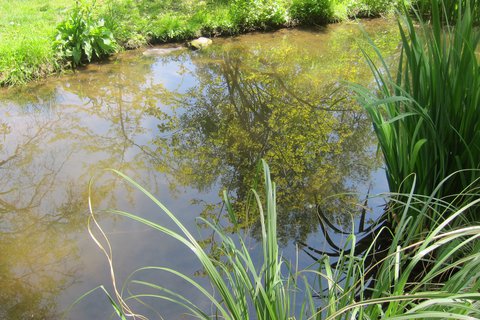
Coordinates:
<point>427,277</point>
<point>403,287</point>
<point>450,8</point>
<point>246,289</point>
<point>426,115</point>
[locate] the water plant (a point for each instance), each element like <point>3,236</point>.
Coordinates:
<point>402,289</point>
<point>247,289</point>
<point>450,8</point>
<point>81,37</point>
<point>426,114</point>
<point>418,276</point>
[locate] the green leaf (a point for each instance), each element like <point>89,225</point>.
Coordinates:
<point>416,150</point>
<point>77,55</point>
<point>88,50</point>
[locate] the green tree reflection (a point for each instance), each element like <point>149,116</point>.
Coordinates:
<point>256,101</point>
<point>265,96</point>
<point>55,139</point>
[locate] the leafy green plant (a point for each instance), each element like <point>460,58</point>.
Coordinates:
<point>402,286</point>
<point>312,11</point>
<point>246,289</point>
<point>254,14</point>
<point>427,115</point>
<point>81,37</point>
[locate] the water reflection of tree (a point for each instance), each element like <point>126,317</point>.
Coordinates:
<point>251,104</point>
<point>34,238</point>
<point>118,98</point>
<point>248,103</point>
<point>47,141</point>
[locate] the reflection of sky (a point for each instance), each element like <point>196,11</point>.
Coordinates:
<point>174,76</point>
<point>82,138</point>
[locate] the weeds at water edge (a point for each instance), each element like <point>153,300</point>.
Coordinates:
<point>403,288</point>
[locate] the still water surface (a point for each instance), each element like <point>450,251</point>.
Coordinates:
<point>186,126</point>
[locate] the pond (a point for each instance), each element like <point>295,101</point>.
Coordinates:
<point>185,125</point>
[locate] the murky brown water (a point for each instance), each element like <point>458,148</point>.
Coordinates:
<point>186,126</point>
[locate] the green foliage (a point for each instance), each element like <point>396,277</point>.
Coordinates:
<point>427,116</point>
<point>246,288</point>
<point>170,26</point>
<point>82,37</point>
<point>217,21</point>
<point>252,14</point>
<point>402,288</point>
<point>451,8</point>
<point>312,11</point>
<point>343,9</point>
<point>125,20</point>
<point>419,276</point>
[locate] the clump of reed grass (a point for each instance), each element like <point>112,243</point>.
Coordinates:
<point>401,289</point>
<point>419,276</point>
<point>245,289</point>
<point>450,8</point>
<point>426,114</point>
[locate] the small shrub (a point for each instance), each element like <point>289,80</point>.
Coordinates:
<point>81,37</point>
<point>252,14</point>
<point>126,22</point>
<point>312,11</point>
<point>372,8</point>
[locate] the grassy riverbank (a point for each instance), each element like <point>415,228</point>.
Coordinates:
<point>28,28</point>
<point>26,31</point>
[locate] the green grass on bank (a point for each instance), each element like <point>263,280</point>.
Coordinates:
<point>28,27</point>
